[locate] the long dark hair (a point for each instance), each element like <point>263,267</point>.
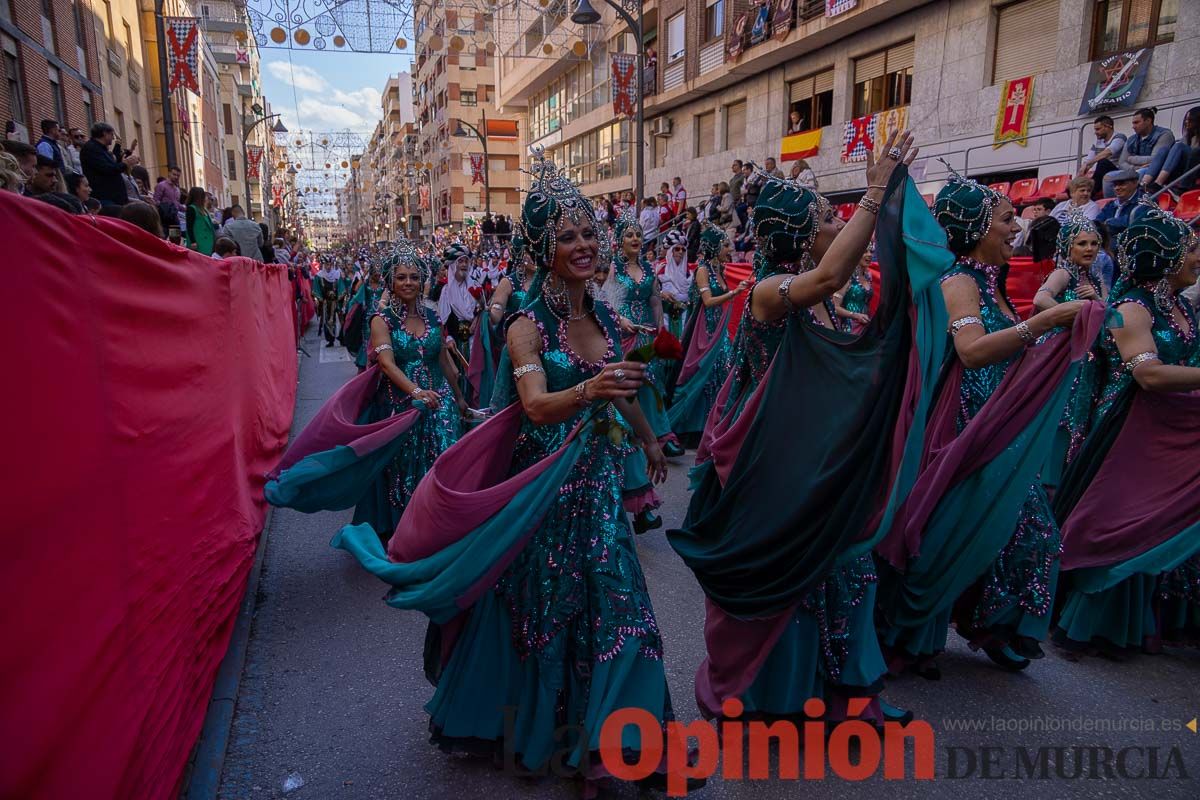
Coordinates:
<point>195,196</point>
<point>1191,138</point>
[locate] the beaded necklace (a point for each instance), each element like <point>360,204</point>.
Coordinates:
<point>991,275</point>
<point>574,358</point>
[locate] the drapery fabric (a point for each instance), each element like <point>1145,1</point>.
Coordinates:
<point>151,389</point>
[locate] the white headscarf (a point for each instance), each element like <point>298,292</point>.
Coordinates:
<point>456,297</point>
<point>675,272</point>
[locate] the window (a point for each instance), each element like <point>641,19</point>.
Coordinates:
<point>89,113</point>
<point>467,99</point>
<point>77,12</point>
<point>883,80</point>
<point>137,134</point>
<point>706,130</point>
<point>12,80</point>
<point>735,125</point>
<point>231,162</point>
<point>108,30</point>
<point>812,99</point>
<point>128,42</point>
<point>120,115</point>
<point>56,95</point>
<point>1127,24</point>
<point>227,112</point>
<point>714,19</point>
<point>1026,39</point>
<point>660,151</point>
<point>48,26</point>
<point>676,38</point>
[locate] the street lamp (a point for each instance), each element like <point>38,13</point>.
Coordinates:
<point>459,131</point>
<point>586,15</point>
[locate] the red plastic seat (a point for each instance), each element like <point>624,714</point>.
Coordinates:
<point>1189,205</point>
<point>1165,201</point>
<point>1054,187</point>
<point>1023,191</point>
<point>1000,188</point>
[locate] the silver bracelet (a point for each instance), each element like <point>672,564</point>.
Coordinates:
<point>525,369</point>
<point>381,348</point>
<point>869,205</point>
<point>415,393</point>
<point>497,305</point>
<point>705,289</point>
<point>963,322</point>
<point>783,292</point>
<point>1026,335</point>
<point>1139,359</point>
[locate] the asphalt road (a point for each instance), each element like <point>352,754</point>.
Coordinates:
<point>333,691</point>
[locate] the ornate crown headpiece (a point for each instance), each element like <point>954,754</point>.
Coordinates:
<point>1154,246</point>
<point>786,218</point>
<point>964,209</point>
<point>711,240</point>
<point>551,199</point>
<point>1076,223</point>
<point>404,252</point>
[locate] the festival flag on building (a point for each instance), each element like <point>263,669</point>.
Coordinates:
<point>894,120</point>
<point>624,85</point>
<point>801,145</point>
<point>1012,119</point>
<point>1116,81</point>
<point>476,168</point>
<point>185,117</point>
<point>182,38</point>
<point>423,194</point>
<point>253,159</point>
<point>735,37</point>
<point>241,55</point>
<point>857,138</point>
<point>785,16</point>
<point>277,196</point>
<point>835,7</point>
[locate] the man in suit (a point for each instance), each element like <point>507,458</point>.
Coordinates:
<point>103,169</point>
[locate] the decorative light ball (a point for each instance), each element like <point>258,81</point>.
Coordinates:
<point>490,47</point>
<point>548,48</point>
<point>457,44</point>
<point>301,36</point>
<point>240,35</point>
<point>579,48</point>
<point>345,164</point>
<point>278,35</point>
<point>339,41</point>
<point>402,43</point>
<point>299,143</point>
<point>436,43</point>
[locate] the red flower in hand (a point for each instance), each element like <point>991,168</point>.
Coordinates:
<point>475,292</point>
<point>667,346</point>
<point>442,281</point>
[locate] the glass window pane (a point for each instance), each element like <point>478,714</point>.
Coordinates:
<point>1137,32</point>
<point>1168,12</point>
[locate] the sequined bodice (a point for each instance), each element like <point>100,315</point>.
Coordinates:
<point>1174,347</point>
<point>635,305</point>
<point>712,314</point>
<point>417,356</point>
<point>755,346</point>
<point>979,384</point>
<point>518,296</point>
<point>857,299</point>
<point>1074,281</point>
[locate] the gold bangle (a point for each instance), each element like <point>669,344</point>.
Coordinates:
<point>581,393</point>
<point>869,205</point>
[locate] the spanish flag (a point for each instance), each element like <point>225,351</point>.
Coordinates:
<point>801,145</point>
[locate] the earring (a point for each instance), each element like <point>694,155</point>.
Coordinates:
<point>1164,298</point>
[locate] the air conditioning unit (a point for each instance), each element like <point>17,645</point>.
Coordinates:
<point>661,127</point>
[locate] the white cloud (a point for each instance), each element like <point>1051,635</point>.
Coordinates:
<point>306,79</point>
<point>320,105</point>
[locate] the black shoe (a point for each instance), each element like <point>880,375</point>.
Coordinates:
<point>1006,658</point>
<point>671,449</point>
<point>646,521</point>
<point>893,713</point>
<point>1028,648</point>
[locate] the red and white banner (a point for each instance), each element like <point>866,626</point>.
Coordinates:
<point>277,196</point>
<point>835,7</point>
<point>857,138</point>
<point>1012,118</point>
<point>105,689</point>
<point>624,84</point>
<point>182,39</point>
<point>476,168</point>
<point>423,194</point>
<point>253,160</point>
<point>185,116</point>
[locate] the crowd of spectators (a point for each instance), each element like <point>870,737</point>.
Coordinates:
<point>95,173</point>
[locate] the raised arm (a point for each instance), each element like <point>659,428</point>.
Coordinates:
<point>500,297</point>
<point>838,262</point>
<point>1054,285</point>
<point>1135,341</point>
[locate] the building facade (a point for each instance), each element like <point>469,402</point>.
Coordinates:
<point>50,66</point>
<point>457,117</point>
<point>939,67</point>
<point>125,102</point>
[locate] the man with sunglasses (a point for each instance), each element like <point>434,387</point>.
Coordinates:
<point>69,144</point>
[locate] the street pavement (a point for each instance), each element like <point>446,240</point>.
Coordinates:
<point>333,690</point>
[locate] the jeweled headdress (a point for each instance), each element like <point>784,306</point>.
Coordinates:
<point>551,200</point>
<point>404,252</point>
<point>516,245</point>
<point>711,240</point>
<point>1075,224</point>
<point>1154,247</point>
<point>785,220</point>
<point>964,209</point>
<point>454,252</point>
<point>625,220</point>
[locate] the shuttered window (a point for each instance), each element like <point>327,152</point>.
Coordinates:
<point>735,125</point>
<point>706,134</point>
<point>1026,39</point>
<point>812,99</point>
<point>883,80</point>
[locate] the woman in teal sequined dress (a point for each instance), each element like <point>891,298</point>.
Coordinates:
<point>853,302</point>
<point>821,641</point>
<point>1006,611</point>
<point>559,631</point>
<point>369,295</point>
<point>695,396</point>
<point>1077,246</point>
<point>1138,585</point>
<point>406,339</point>
<point>640,315</point>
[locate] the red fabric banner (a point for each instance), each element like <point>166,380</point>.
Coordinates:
<point>154,389</point>
<point>476,168</point>
<point>254,157</point>
<point>624,88</point>
<point>182,63</point>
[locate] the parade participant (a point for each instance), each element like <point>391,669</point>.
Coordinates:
<point>796,460</point>
<point>1076,248</point>
<point>675,280</point>
<point>707,347</point>
<point>456,306</point>
<point>1130,505</point>
<point>411,395</point>
<point>853,303</point>
<point>640,315</point>
<point>512,288</point>
<point>538,610</point>
<point>201,233</point>
<point>363,306</point>
<point>977,542</point>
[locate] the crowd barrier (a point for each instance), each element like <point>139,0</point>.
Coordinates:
<point>150,389</point>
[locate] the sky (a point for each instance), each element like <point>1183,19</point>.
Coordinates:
<point>328,90</point>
